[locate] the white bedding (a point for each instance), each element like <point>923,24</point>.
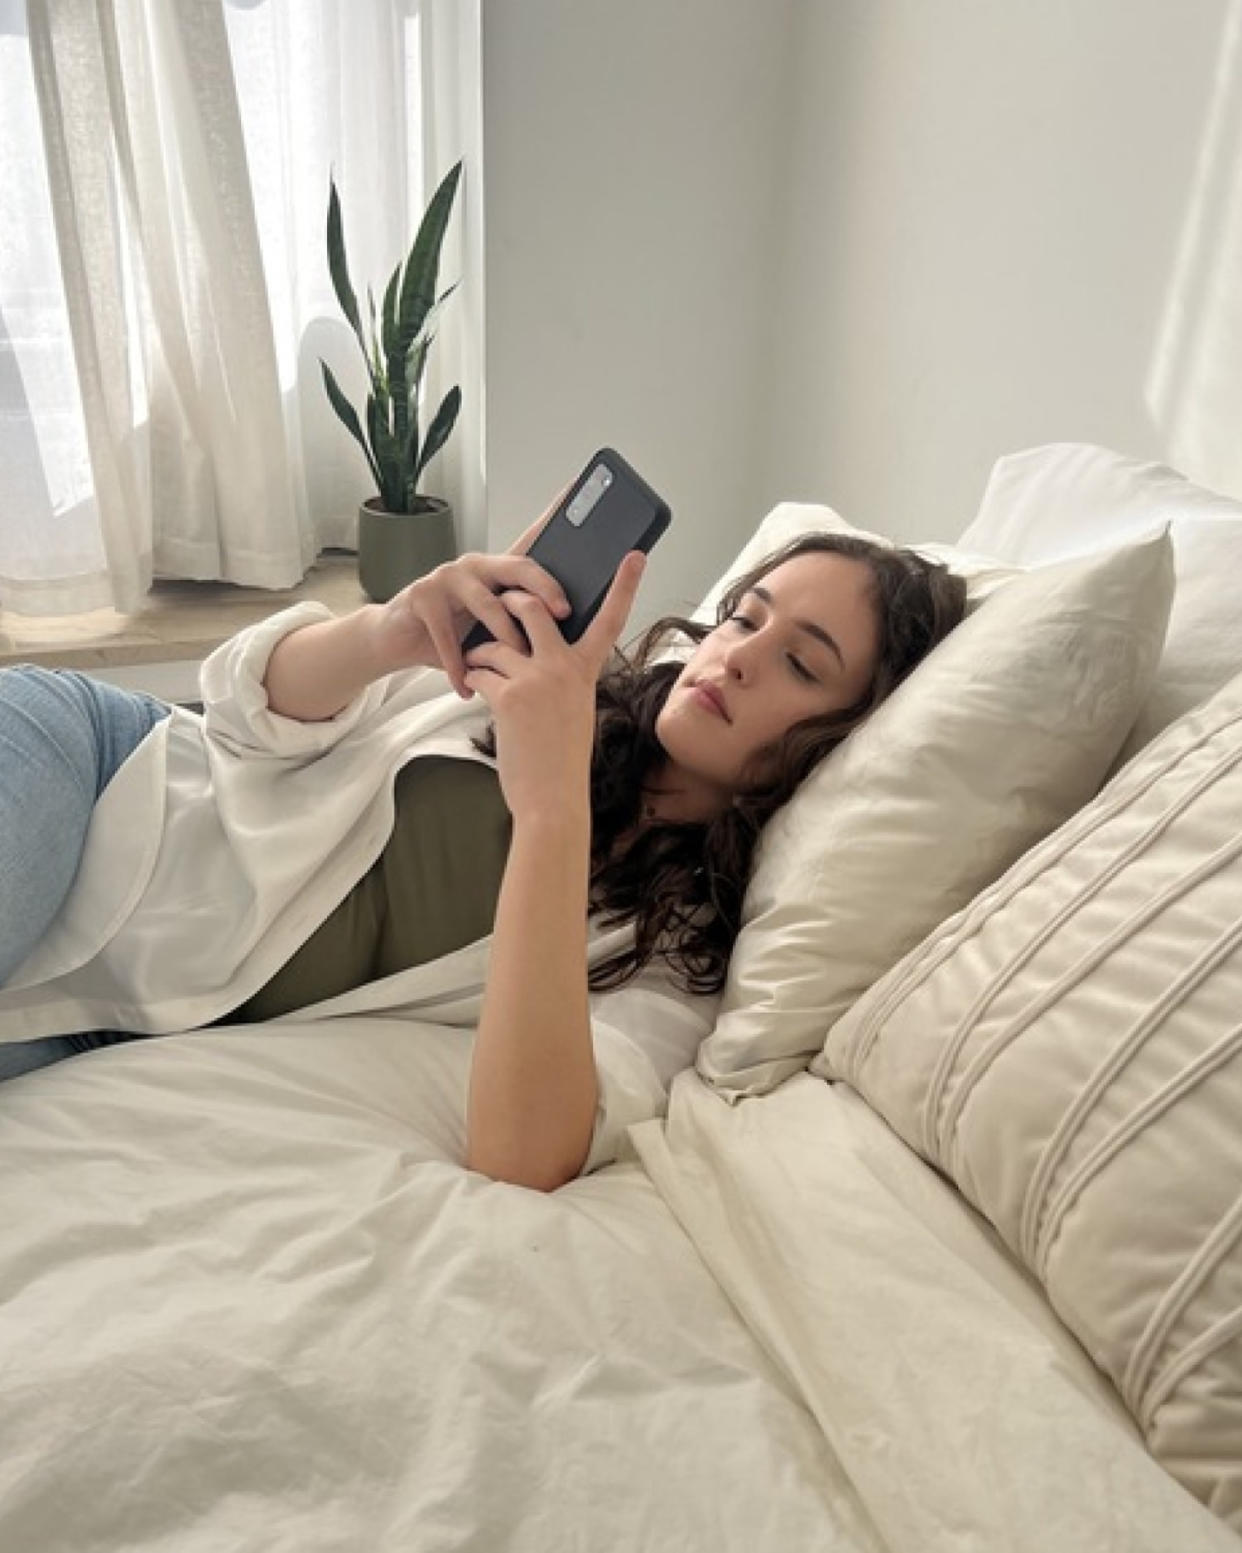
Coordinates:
<point>959,1406</point>
<point>247,1302</point>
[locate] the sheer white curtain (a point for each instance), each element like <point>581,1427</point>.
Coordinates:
<point>164,296</point>
<point>51,551</point>
<point>385,97</point>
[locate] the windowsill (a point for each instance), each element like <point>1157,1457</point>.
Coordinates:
<point>183,621</point>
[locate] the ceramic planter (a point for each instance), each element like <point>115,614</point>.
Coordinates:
<point>395,548</point>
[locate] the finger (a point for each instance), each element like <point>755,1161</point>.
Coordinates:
<point>539,581</point>
<point>484,683</point>
<point>514,572</point>
<point>496,658</point>
<point>537,620</point>
<point>608,624</point>
<point>448,650</point>
<point>522,572</point>
<point>489,608</point>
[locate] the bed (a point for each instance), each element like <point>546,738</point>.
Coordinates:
<point>249,1299</point>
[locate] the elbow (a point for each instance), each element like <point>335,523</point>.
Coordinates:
<point>520,1168</point>
<point>540,1140</point>
<point>535,1181</point>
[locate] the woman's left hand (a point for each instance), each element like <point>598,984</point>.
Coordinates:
<point>543,699</point>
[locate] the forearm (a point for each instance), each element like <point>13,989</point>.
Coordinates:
<point>316,671</point>
<point>533,1088</point>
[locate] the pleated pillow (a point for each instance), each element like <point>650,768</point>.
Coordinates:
<point>1068,1050</point>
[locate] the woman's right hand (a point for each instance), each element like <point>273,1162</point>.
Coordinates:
<point>425,623</point>
<point>317,670</point>
<point>542,697</point>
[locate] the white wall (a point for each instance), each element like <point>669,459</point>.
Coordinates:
<point>855,250</point>
<point>632,164</point>
<point>991,244</point>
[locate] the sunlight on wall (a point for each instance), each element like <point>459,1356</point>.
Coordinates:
<point>1194,385</point>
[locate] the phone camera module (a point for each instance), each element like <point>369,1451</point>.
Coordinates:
<point>593,487</point>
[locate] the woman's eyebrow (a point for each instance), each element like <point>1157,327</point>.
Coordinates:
<point>808,626</point>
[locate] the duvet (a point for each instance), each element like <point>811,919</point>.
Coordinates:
<point>249,1301</point>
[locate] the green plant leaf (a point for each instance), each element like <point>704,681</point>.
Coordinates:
<point>397,354</point>
<point>416,296</point>
<point>415,362</point>
<point>338,267</point>
<point>375,361</point>
<point>387,456</point>
<point>400,401</point>
<point>418,285</point>
<point>383,404</point>
<point>409,443</point>
<point>416,356</point>
<point>348,415</point>
<point>438,431</point>
<point>390,312</point>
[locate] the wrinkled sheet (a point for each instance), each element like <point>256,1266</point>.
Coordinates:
<point>962,1410</point>
<point>248,1302</point>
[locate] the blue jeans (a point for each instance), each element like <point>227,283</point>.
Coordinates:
<point>63,737</point>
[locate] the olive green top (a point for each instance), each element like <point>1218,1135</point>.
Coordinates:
<point>433,889</point>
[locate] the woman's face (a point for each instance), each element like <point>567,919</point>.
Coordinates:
<point>802,642</point>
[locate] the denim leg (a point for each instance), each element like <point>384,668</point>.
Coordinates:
<point>63,737</point>
<point>25,1056</point>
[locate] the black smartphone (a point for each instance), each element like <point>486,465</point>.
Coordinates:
<point>607,512</point>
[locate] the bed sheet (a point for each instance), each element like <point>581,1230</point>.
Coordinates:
<point>246,1302</point>
<point>963,1411</point>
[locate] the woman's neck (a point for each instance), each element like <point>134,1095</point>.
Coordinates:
<point>673,797</point>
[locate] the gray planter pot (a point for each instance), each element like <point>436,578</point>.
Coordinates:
<point>395,548</point>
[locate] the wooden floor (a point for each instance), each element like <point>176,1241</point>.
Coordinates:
<point>184,621</point>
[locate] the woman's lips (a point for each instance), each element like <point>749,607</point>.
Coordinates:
<point>709,698</point>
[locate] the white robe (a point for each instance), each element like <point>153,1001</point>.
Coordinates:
<point>226,839</point>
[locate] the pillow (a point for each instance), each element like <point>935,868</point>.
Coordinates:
<point>998,736</point>
<point>1051,502</point>
<point>1068,1051</point>
<point>788,520</point>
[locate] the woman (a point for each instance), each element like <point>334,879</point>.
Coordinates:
<point>628,798</point>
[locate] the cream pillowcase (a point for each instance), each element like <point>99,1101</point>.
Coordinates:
<point>1005,730</point>
<point>1046,503</point>
<point>1068,1050</point>
<point>788,520</point>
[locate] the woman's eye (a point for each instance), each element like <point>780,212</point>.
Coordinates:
<point>743,623</point>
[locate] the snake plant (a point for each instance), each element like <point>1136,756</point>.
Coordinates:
<point>395,348</point>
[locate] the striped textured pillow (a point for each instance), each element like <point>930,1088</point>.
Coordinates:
<point>1068,1051</point>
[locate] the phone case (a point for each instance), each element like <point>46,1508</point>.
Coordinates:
<point>583,557</point>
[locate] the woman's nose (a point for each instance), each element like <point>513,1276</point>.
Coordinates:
<point>738,660</point>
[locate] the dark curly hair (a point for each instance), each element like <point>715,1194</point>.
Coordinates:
<point>682,883</point>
